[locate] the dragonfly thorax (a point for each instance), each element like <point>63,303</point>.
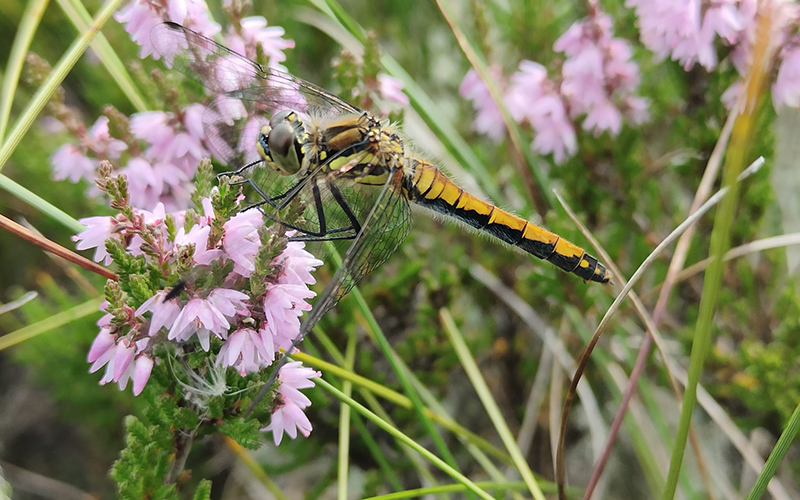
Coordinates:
<point>280,143</point>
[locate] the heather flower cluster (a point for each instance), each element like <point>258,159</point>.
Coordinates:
<point>243,309</point>
<point>598,84</point>
<point>159,151</point>
<point>692,31</point>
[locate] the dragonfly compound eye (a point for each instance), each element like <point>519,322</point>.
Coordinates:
<point>281,142</point>
<point>278,117</point>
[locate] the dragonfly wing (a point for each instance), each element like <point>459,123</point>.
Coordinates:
<point>384,227</point>
<point>224,71</point>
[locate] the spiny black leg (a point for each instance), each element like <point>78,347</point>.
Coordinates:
<point>337,195</point>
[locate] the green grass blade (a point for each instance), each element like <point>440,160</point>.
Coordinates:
<point>344,420</point>
<point>53,80</point>
<point>42,205</point>
<point>485,395</point>
<point>54,321</point>
<point>478,62</point>
<point>363,431</point>
<point>394,362</point>
<point>401,400</point>
<point>81,18</point>
<point>438,462</point>
<point>450,488</point>
<point>16,59</point>
<point>720,242</point>
<point>785,440</point>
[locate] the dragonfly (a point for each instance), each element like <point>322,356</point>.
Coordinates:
<point>353,173</point>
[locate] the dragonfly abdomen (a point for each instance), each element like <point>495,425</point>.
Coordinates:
<point>431,188</point>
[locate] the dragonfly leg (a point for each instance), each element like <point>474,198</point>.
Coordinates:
<point>337,195</point>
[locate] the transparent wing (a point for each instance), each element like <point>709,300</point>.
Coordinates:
<point>320,206</point>
<point>226,72</point>
<point>385,226</point>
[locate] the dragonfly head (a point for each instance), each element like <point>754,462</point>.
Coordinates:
<point>280,143</point>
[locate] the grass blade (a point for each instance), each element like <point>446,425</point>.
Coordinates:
<point>474,374</point>
<point>54,321</point>
<point>43,206</point>
<point>79,16</point>
<point>441,464</point>
<point>53,80</point>
<point>344,420</point>
<point>16,58</point>
<point>781,447</point>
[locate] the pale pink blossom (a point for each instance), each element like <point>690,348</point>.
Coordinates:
<point>198,235</point>
<point>287,418</point>
<point>70,162</point>
<point>247,351</point>
<point>554,132</point>
<point>786,89</point>
<point>123,358</point>
<point>391,89</point>
<point>283,306</point>
<point>164,312</point>
<point>687,30</point>
<point>527,85</point>
<point>488,120</point>
<point>241,240</point>
<point>287,415</point>
<point>98,230</point>
<point>143,366</point>
<point>104,341</point>
<point>100,142</point>
<point>206,316</point>
<point>141,16</point>
<point>171,140</point>
<point>117,361</point>
<point>255,33</point>
<point>297,265</point>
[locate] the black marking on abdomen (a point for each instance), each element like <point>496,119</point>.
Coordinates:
<point>537,248</point>
<point>568,264</point>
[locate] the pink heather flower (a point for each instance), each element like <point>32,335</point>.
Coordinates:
<point>241,240</point>
<point>164,313</point>
<point>488,121</point>
<point>198,235</point>
<point>126,349</point>
<point>100,142</point>
<point>141,16</point>
<point>117,361</point>
<point>598,75</point>
<point>288,416</point>
<point>150,184</point>
<point>206,316</point>
<point>786,89</point>
<point>69,162</point>
<point>255,33</point>
<point>533,97</point>
<point>686,30</point>
<point>528,84</point>
<point>98,230</point>
<point>297,265</point>
<point>142,367</point>
<point>554,131</point>
<point>283,306</point>
<point>247,351</point>
<point>171,141</point>
<point>104,341</point>
<point>391,89</point>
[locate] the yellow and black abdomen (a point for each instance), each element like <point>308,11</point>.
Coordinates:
<point>431,188</point>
